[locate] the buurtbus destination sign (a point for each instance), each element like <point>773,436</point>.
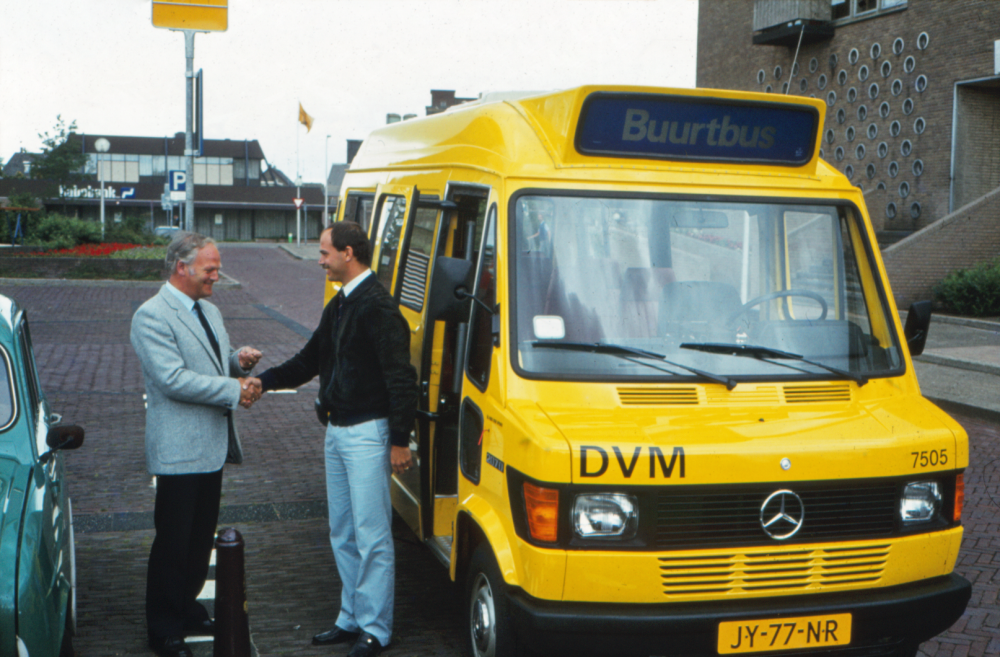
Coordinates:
<point>703,129</point>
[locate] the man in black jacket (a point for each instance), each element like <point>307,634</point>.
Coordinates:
<point>368,396</point>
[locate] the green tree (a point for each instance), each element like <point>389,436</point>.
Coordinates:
<point>62,158</point>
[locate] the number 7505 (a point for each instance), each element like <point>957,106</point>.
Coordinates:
<point>930,457</point>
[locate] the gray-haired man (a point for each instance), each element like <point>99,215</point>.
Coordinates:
<point>191,392</point>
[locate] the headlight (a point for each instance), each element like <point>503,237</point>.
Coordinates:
<point>921,502</point>
<point>605,515</point>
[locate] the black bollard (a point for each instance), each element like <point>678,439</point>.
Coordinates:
<point>232,627</point>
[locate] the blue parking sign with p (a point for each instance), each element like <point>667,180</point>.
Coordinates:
<point>178,181</point>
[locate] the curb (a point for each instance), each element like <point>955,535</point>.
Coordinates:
<point>958,363</point>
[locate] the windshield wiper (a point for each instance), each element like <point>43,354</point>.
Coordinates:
<point>624,352</point>
<point>764,353</point>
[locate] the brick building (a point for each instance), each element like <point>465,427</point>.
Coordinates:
<point>913,110</point>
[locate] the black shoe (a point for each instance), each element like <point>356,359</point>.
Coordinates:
<point>200,628</point>
<point>365,646</point>
<point>172,646</point>
<point>336,635</point>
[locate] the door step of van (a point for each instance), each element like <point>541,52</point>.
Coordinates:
<point>441,547</point>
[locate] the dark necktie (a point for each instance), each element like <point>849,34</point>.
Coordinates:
<point>208,330</point>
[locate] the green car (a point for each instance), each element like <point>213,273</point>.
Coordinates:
<point>37,560</point>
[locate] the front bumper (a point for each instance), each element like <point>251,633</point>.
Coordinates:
<point>884,620</point>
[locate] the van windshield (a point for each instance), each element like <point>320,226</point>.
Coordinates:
<point>618,288</point>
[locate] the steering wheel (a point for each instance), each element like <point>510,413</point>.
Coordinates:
<point>777,295</point>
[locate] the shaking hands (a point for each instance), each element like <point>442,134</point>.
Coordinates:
<point>250,391</point>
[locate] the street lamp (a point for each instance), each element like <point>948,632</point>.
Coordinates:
<point>102,145</point>
<point>326,181</point>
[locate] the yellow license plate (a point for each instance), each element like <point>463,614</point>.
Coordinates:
<point>784,633</point>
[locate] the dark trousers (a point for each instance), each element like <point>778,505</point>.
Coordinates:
<point>187,511</point>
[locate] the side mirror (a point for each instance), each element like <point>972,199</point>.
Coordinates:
<point>918,321</point>
<point>68,436</point>
<point>451,279</point>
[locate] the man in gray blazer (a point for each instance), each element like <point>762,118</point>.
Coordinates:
<point>193,384</point>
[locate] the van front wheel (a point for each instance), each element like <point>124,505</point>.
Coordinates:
<point>490,630</point>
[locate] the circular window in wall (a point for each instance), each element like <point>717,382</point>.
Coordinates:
<point>884,110</point>
<point>897,47</point>
<point>849,133</point>
<point>870,171</point>
<point>881,186</point>
<point>859,152</point>
<point>873,90</point>
<point>908,106</point>
<point>862,112</point>
<point>761,76</point>
<point>852,95</point>
<point>915,210</point>
<point>909,64</point>
<point>831,97</point>
<point>893,169</point>
<point>863,72</point>
<point>795,69</point>
<point>853,56</point>
<point>777,72</point>
<point>768,89</point>
<point>883,149</point>
<point>839,153</point>
<point>919,125</point>
<point>897,87</point>
<point>784,87</point>
<point>813,65</point>
<point>921,84</point>
<point>821,81</point>
<point>849,171</point>
<point>923,40</point>
<point>829,136</point>
<point>918,167</point>
<point>841,116</point>
<point>904,189</point>
<point>872,131</point>
<point>876,51</point>
<point>833,60</point>
<point>886,68</point>
<point>906,148</point>
<point>842,77</point>
<point>894,128</point>
<point>890,210</point>
<point>803,85</point>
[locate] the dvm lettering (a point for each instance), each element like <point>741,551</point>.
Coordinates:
<point>639,126</point>
<point>594,461</point>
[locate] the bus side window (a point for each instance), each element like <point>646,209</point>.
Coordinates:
<point>481,334</point>
<point>392,217</point>
<point>358,208</point>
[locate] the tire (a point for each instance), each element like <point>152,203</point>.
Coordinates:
<point>489,628</point>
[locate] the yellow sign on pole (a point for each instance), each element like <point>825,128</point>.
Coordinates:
<point>199,15</point>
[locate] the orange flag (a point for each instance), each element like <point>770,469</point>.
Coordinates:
<point>305,119</point>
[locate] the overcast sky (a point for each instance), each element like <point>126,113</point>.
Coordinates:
<point>102,64</point>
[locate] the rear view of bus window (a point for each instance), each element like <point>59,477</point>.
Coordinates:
<point>613,288</point>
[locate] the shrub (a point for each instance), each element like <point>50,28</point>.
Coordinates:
<point>56,231</point>
<point>130,230</point>
<point>973,292</point>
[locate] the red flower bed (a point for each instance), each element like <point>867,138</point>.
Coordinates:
<point>91,250</point>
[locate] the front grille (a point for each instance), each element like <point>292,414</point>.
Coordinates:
<point>729,516</point>
<point>658,395</point>
<point>817,394</point>
<point>784,570</point>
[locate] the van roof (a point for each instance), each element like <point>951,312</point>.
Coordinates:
<point>610,127</point>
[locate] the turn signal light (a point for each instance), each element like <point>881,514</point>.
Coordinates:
<point>959,498</point>
<point>542,505</point>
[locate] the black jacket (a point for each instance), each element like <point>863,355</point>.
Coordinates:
<point>363,362</point>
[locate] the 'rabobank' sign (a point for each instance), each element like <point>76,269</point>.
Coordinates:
<point>688,128</point>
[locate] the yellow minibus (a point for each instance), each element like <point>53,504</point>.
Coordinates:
<point>668,406</point>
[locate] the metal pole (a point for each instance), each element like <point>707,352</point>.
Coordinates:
<point>188,138</point>
<point>326,182</point>
<point>100,165</point>
<point>298,214</point>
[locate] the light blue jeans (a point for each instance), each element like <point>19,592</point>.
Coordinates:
<point>357,493</point>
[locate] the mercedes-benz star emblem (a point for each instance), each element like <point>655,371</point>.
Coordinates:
<point>781,514</point>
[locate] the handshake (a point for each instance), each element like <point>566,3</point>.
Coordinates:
<point>250,387</point>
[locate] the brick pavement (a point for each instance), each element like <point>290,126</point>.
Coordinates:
<point>276,499</point>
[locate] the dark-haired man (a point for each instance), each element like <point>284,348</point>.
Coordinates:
<point>368,397</point>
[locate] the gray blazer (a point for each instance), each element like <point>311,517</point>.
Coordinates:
<point>190,395</point>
